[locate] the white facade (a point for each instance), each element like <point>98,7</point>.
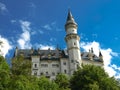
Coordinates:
<point>49,68</point>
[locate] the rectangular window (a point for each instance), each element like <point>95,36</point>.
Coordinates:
<point>55,65</point>
<point>44,65</point>
<point>53,73</point>
<point>35,65</point>
<point>46,73</point>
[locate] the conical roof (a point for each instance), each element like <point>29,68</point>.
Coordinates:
<point>70,19</point>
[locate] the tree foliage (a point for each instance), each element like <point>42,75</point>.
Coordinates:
<point>91,77</point>
<point>63,81</point>
<point>21,66</point>
<point>45,84</point>
<point>19,77</point>
<point>4,74</point>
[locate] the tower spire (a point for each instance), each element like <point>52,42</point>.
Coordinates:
<point>70,21</point>
<point>69,17</point>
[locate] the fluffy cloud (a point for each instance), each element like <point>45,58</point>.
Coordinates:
<point>3,8</point>
<point>44,47</point>
<point>24,40</point>
<point>5,46</point>
<point>108,54</point>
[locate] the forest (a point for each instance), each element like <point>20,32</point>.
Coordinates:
<point>17,76</point>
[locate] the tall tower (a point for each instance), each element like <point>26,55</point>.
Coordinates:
<point>72,39</point>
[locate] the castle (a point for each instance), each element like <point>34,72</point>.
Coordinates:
<point>52,62</point>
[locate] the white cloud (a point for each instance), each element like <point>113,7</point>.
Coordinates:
<point>44,47</point>
<point>108,54</point>
<point>24,40</point>
<point>115,67</point>
<point>25,25</point>
<point>47,26</point>
<point>5,46</point>
<point>3,8</point>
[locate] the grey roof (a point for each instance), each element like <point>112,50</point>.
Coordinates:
<point>53,54</point>
<point>44,54</point>
<point>87,55</point>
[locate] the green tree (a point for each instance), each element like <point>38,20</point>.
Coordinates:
<point>22,82</point>
<point>91,77</point>
<point>63,81</point>
<point>4,74</point>
<point>46,84</point>
<point>21,66</point>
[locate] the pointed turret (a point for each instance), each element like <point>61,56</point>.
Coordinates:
<point>100,56</point>
<point>70,17</point>
<point>70,20</point>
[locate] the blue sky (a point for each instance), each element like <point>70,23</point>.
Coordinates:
<point>40,23</point>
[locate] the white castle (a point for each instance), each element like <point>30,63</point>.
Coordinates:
<point>52,62</point>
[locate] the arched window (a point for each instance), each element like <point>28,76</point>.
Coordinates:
<point>35,65</point>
